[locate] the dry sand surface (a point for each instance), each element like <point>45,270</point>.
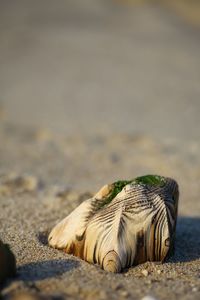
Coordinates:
<point>109,92</point>
<point>62,172</point>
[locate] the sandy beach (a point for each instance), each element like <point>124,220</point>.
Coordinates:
<point>91,93</point>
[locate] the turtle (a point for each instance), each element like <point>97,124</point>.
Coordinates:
<point>125,223</point>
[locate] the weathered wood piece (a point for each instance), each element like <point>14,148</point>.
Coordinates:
<point>124,224</point>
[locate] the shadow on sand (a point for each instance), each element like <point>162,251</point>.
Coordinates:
<point>45,269</point>
<point>187,245</point>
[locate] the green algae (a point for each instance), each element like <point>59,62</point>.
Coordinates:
<point>149,180</point>
<point>116,189</point>
<point>152,180</point>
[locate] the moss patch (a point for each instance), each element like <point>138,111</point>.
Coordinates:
<point>117,187</point>
<point>151,180</point>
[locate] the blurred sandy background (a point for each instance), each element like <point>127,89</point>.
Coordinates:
<point>95,66</point>
<point>90,92</point>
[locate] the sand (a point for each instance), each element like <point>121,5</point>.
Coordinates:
<point>52,176</point>
<point>101,95</point>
